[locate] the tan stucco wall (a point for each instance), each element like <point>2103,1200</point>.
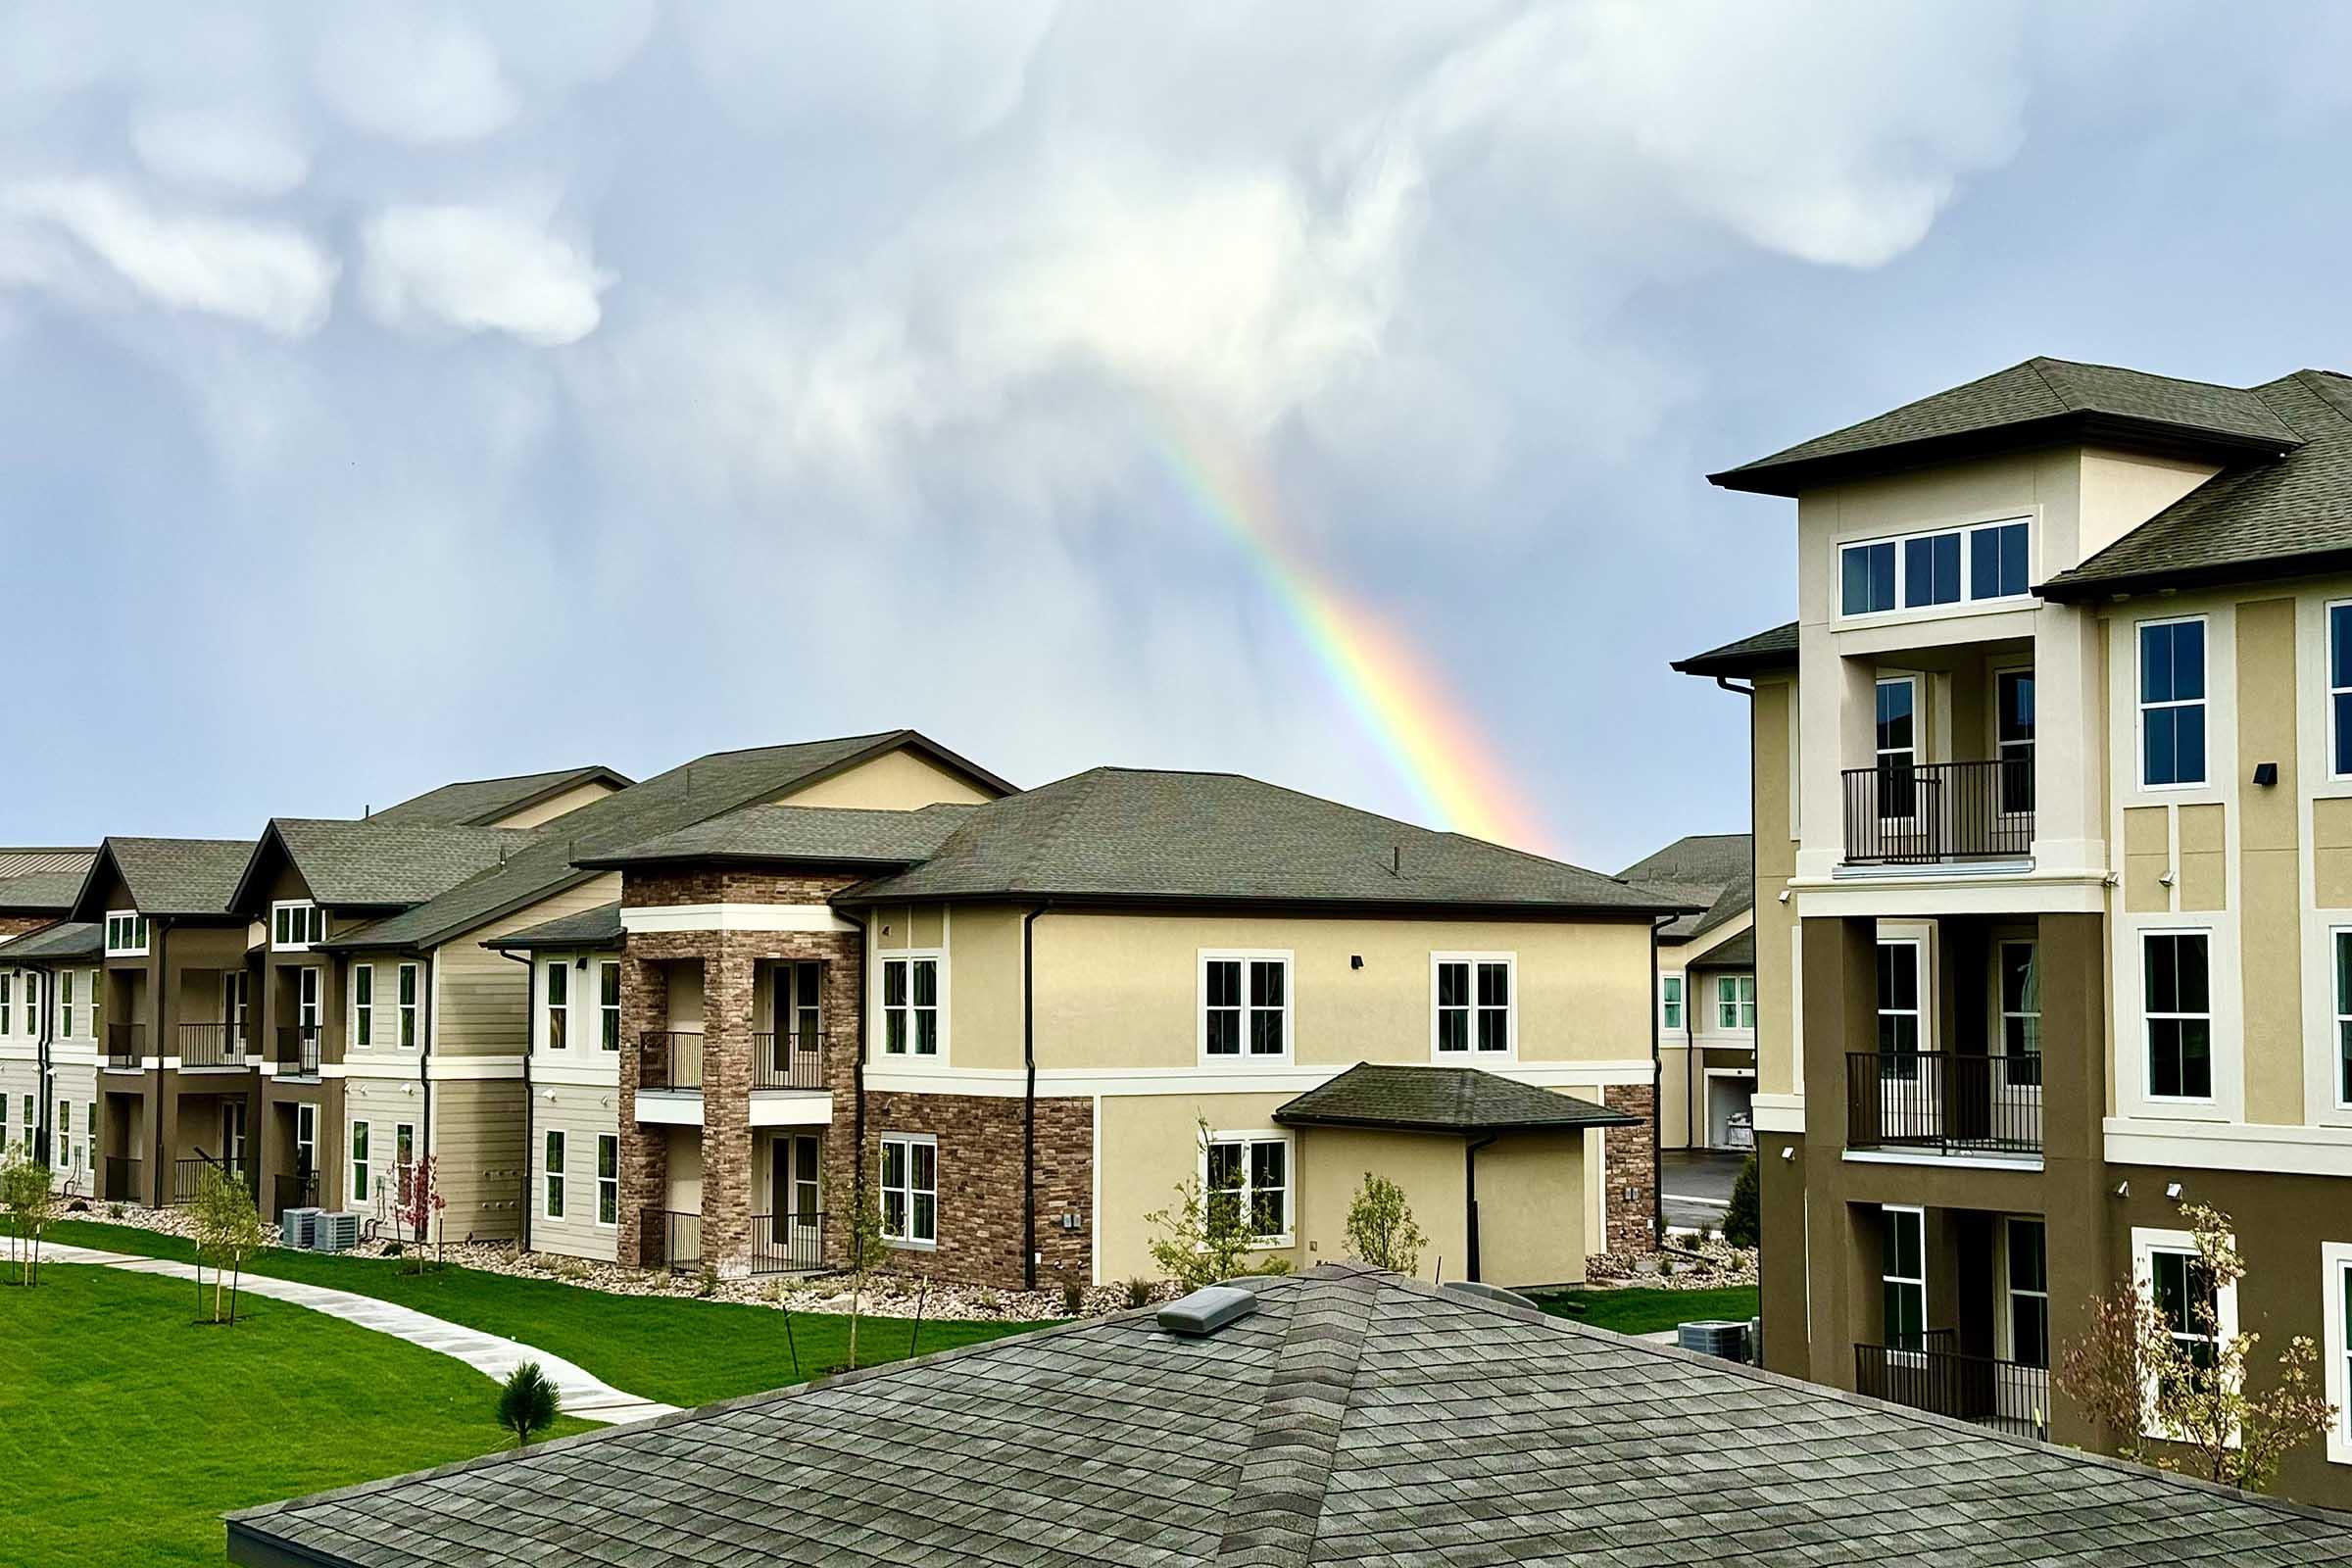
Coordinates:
<point>555,806</point>
<point>1333,1162</point>
<point>2268,866</point>
<point>896,782</point>
<point>1156,1143</point>
<point>1774,790</point>
<point>2147,856</point>
<point>1531,1209</point>
<point>2204,882</point>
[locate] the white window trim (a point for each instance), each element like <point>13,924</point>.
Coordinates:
<point>1739,1003</point>
<point>554,1174</point>
<point>1289,1193</point>
<point>1508,1055</point>
<point>2213,1063</point>
<point>361,1190</point>
<point>2146,1243</point>
<point>136,949</point>
<point>2340,1013</point>
<point>1678,1001</point>
<point>603,1007</point>
<point>548,1006</point>
<point>368,1009</point>
<point>2335,1263</point>
<point>303,908</point>
<point>2329,690</point>
<point>909,1243</point>
<point>1994,674</point>
<point>1886,1278</point>
<point>602,1223</point>
<point>1965,528</point>
<point>404,1014</point>
<point>1202,957</point>
<point>885,957</point>
<point>2139,707</point>
<point>304,1112</point>
<point>2007,1289</point>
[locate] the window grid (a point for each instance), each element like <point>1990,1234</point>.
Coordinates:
<point>1475,1006</point>
<point>1927,571</point>
<point>1735,1001</point>
<point>1903,1277</point>
<point>2176,1014</point>
<point>909,1188</point>
<point>910,1005</point>
<point>1670,991</point>
<point>2172,704</point>
<point>1246,1006</point>
<point>554,1175</point>
<point>1246,1177</point>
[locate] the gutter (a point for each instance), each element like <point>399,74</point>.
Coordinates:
<point>1470,1148</point>
<point>530,1040</point>
<point>1029,1099</point>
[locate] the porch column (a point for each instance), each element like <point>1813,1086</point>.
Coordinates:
<point>2080,1233</point>
<point>1841,1014</point>
<point>644,1150</point>
<point>728,977</point>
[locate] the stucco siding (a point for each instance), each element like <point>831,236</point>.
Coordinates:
<point>896,782</point>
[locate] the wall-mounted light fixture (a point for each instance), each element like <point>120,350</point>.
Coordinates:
<point>2266,774</point>
<point>1355,961</point>
<point>2123,1189</point>
<point>2172,1189</point>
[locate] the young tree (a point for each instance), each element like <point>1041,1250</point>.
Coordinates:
<point>529,1401</point>
<point>1743,1222</point>
<point>1204,1235</point>
<point>418,1202</point>
<point>1380,1227</point>
<point>228,1232</point>
<point>866,1255</point>
<point>2162,1375</point>
<point>31,1202</point>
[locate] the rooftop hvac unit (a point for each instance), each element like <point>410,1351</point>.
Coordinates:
<point>295,1226</point>
<point>335,1232</point>
<point>1724,1340</point>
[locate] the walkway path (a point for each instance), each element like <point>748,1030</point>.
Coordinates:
<point>585,1396</point>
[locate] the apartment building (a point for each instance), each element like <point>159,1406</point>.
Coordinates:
<point>2053,831</point>
<point>48,1010</point>
<point>1706,991</point>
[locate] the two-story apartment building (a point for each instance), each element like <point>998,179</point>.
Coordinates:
<point>2053,820</point>
<point>49,1014</point>
<point>1706,991</point>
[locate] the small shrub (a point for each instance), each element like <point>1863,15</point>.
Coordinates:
<point>392,1248</point>
<point>527,1403</point>
<point>1380,1227</point>
<point>1743,1222</point>
<point>114,1211</point>
<point>1142,1292</point>
<point>1665,1269</point>
<point>707,1286</point>
<point>1073,1299</point>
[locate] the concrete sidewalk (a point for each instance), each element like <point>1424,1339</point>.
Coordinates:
<point>585,1396</point>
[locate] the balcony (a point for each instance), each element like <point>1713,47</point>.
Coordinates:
<point>126,1047</point>
<point>209,1045</point>
<point>1944,1102</point>
<point>298,1191</point>
<point>126,1181</point>
<point>781,1243</point>
<point>188,1176</point>
<point>298,1050</point>
<point>788,1062</point>
<point>1935,1376</point>
<point>1930,813</point>
<point>671,1059</point>
<point>674,1059</point>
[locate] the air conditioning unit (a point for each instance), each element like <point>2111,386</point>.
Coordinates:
<point>1727,1341</point>
<point>295,1226</point>
<point>335,1232</point>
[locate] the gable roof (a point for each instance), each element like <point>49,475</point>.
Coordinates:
<point>1735,952</point>
<point>1773,648</point>
<point>15,863</point>
<point>475,803</point>
<point>1716,871</point>
<point>828,835</point>
<point>1440,1099</point>
<point>68,939</point>
<point>372,862</point>
<point>1132,835</point>
<point>2038,402</point>
<point>41,892</point>
<point>184,877</point>
<point>598,927</point>
<point>706,787</point>
<point>1350,1417</point>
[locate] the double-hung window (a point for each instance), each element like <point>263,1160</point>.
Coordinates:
<point>2339,691</point>
<point>1922,570</point>
<point>64,1004</point>
<point>2029,1293</point>
<point>296,924</point>
<point>1244,1007</point>
<point>1248,1177</point>
<point>2021,1014</point>
<point>554,1175</point>
<point>1898,1009</point>
<point>910,1006</point>
<point>2344,1018</point>
<point>2013,737</point>
<point>1897,746</point>
<point>608,1179</point>
<point>2188,1302</point>
<point>8,997</point>
<point>404,1157</point>
<point>236,1002</point>
<point>125,933</point>
<point>30,1014</point>
<point>408,1007</point>
<point>1735,1001</point>
<point>359,1173</point>
<point>1903,1279</point>
<point>607,1005</point>
<point>2172,704</point>
<point>558,1003</point>
<point>910,1189</point>
<point>1670,1000</point>
<point>2177,1012</point>
<point>1474,1007</point>
<point>2335,1316</point>
<point>65,1135</point>
<point>363,1004</point>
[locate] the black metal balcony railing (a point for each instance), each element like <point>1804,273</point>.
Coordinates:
<point>2008,1395</point>
<point>188,1176</point>
<point>1919,813</point>
<point>670,1058</point>
<point>125,1046</point>
<point>298,1050</point>
<point>124,1180</point>
<point>298,1191</point>
<point>1944,1102</point>
<point>209,1045</point>
<point>787,1243</point>
<point>788,1062</point>
<point>669,1239</point>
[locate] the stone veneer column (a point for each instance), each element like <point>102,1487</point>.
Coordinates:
<point>644,1150</point>
<point>727,975</point>
<point>842,1001</point>
<point>1632,1171</point>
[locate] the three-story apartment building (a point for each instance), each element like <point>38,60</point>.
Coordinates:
<point>2052,782</point>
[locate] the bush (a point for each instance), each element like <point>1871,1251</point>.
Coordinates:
<point>527,1403</point>
<point>1073,1299</point>
<point>1142,1292</point>
<point>1380,1227</point>
<point>1743,1222</point>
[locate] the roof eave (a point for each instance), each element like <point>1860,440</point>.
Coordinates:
<point>626,861</point>
<point>1457,1129</point>
<point>569,781</point>
<point>2066,588</point>
<point>864,896</point>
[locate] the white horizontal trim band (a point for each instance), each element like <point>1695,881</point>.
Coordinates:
<point>2242,1145</point>
<point>733,917</point>
<point>1073,1082</point>
<point>1901,1156</point>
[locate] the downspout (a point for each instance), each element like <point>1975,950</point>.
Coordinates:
<point>44,1073</point>
<point>530,1041</point>
<point>1029,1100</point>
<point>1470,1148</point>
<point>1657,1093</point>
<point>424,1056</point>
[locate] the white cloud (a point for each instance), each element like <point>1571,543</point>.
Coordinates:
<point>270,274</point>
<point>414,76</point>
<point>479,269</point>
<point>234,149</point>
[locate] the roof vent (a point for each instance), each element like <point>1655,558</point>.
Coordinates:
<point>1206,1309</point>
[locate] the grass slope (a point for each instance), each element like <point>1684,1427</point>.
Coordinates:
<point>680,1351</point>
<point>1648,1311</point>
<point>126,1428</point>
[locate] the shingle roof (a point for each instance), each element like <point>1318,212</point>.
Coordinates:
<point>174,876</point>
<point>475,801</point>
<point>1447,1100</point>
<point>1773,649</point>
<point>1352,1418</point>
<point>598,927</point>
<point>68,939</point>
<point>43,892</point>
<point>1739,952</point>
<point>372,862</point>
<point>2268,519</point>
<point>827,834</point>
<point>706,787</point>
<point>1715,871</point>
<point>1116,834</point>
<point>2038,400</point>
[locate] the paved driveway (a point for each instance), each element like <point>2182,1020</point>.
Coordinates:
<point>1698,1186</point>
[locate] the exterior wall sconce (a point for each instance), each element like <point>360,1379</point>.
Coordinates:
<point>2266,774</point>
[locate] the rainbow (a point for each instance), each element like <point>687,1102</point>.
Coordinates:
<point>1454,775</point>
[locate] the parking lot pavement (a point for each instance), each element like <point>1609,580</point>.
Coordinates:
<point>1698,1185</point>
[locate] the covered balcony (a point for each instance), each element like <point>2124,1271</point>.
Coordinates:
<point>1964,1326</point>
<point>776,1055</point>
<point>1949,774</point>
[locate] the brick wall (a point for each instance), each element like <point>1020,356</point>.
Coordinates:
<point>720,885</point>
<point>1633,1166</point>
<point>980,1185</point>
<point>16,925</point>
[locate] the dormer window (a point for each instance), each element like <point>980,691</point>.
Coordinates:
<point>126,933</point>
<point>1925,570</point>
<point>295,924</point>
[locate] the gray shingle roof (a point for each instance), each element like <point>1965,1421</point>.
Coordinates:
<point>68,939</point>
<point>1115,834</point>
<point>2266,519</point>
<point>2040,400</point>
<point>43,892</point>
<point>598,927</point>
<point>1446,1099</point>
<point>827,834</point>
<point>1740,953</point>
<point>1772,648</point>
<point>475,801</point>
<point>1352,1418</point>
<point>187,877</point>
<point>1715,871</point>
<point>372,862</point>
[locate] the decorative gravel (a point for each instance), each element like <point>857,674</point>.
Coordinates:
<point>1679,1265</point>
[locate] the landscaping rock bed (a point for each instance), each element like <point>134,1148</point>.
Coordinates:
<point>1679,1265</point>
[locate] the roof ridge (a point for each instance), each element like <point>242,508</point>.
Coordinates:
<point>1276,1510</point>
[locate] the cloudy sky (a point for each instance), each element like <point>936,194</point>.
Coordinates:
<point>435,392</point>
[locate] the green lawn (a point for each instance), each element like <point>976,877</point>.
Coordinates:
<point>1647,1311</point>
<point>678,1350</point>
<point>127,1427</point>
